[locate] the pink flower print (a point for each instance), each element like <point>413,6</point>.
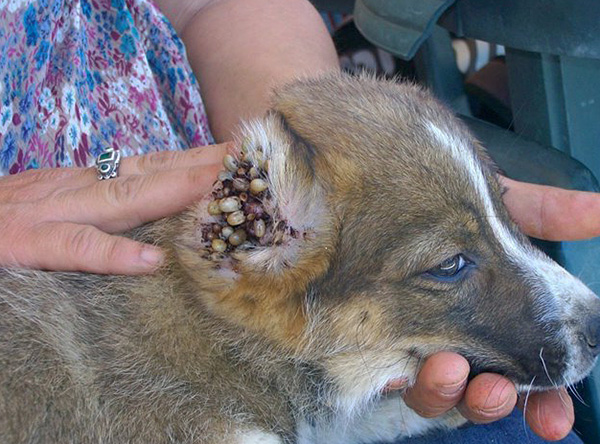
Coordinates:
<point>41,150</point>
<point>81,153</point>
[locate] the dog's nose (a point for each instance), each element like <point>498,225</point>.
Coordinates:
<point>592,335</point>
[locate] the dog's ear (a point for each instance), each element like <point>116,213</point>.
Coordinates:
<point>269,274</point>
<point>298,218</point>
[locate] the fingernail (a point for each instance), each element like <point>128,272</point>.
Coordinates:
<point>453,389</point>
<point>396,384</point>
<point>152,256</point>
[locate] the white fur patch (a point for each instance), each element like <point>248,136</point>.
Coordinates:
<point>296,204</point>
<point>559,289</point>
<point>558,281</point>
<point>257,436</point>
<point>386,422</point>
<point>360,385</point>
<point>466,159</point>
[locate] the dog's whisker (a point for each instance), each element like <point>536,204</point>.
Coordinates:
<point>400,402</point>
<point>573,389</point>
<point>418,366</point>
<point>554,384</point>
<point>561,396</point>
<point>546,368</point>
<point>359,347</point>
<point>527,394</point>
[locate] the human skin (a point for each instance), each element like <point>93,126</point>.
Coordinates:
<point>65,219</point>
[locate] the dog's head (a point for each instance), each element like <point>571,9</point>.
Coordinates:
<point>387,240</point>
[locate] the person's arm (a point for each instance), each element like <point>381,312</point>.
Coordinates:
<point>240,49</point>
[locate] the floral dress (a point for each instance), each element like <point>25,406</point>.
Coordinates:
<point>77,76</point>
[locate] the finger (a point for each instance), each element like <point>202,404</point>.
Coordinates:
<point>488,397</point>
<point>439,386</point>
<point>39,184</point>
<point>72,247</point>
<point>550,414</point>
<point>168,160</point>
<point>171,160</point>
<point>126,202</point>
<point>35,176</point>
<point>34,185</point>
<point>553,213</point>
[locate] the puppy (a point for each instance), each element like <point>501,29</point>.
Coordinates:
<point>374,237</point>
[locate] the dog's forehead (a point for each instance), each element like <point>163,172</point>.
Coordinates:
<point>426,169</point>
<point>430,162</point>
<point>401,129</point>
<point>398,139</point>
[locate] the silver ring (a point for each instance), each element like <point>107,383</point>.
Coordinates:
<point>107,164</point>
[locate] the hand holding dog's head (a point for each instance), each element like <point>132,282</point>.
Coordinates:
<point>396,245</point>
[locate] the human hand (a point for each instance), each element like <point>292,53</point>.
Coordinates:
<point>543,212</point>
<point>65,219</point>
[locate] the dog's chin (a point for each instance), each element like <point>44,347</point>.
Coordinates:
<point>563,381</point>
<point>576,372</point>
<point>528,382</point>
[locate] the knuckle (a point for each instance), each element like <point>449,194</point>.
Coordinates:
<point>111,250</point>
<point>86,245</point>
<point>16,247</point>
<point>24,177</point>
<point>123,191</point>
<point>34,185</point>
<point>55,173</point>
<point>15,194</point>
<point>20,190</point>
<point>50,174</point>
<point>82,242</point>
<point>33,174</point>
<point>152,162</point>
<point>196,175</point>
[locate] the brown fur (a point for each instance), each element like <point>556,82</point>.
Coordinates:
<point>205,351</point>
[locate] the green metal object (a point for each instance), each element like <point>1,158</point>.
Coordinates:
<point>556,101</point>
<point>398,26</point>
<point>559,27</point>
<point>446,81</point>
<point>529,161</point>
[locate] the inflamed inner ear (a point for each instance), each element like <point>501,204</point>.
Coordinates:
<point>264,232</point>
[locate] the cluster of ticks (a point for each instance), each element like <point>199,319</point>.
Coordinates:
<point>237,205</point>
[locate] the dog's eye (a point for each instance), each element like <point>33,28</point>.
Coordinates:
<point>450,268</point>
